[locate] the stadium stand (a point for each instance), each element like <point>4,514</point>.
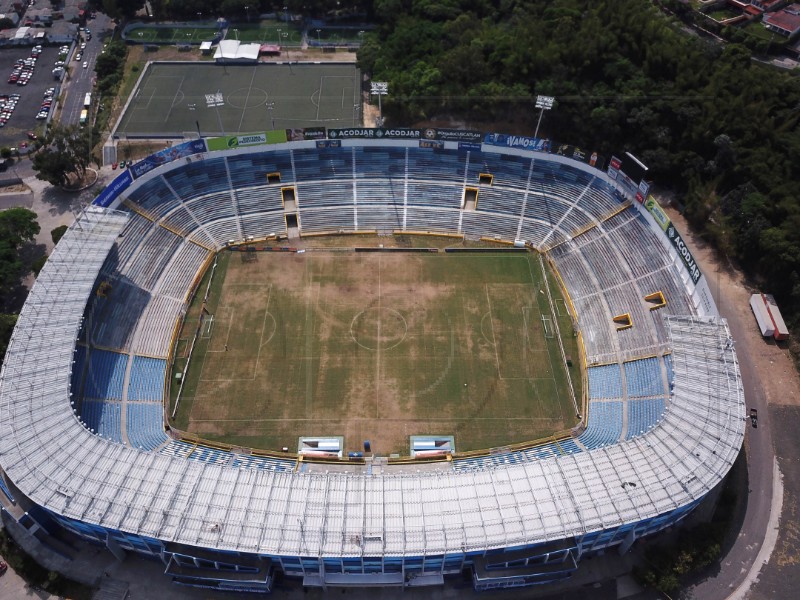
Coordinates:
<point>643,413</point>
<point>105,375</point>
<point>103,417</point>
<point>605,424</point>
<point>644,461</point>
<point>605,382</point>
<point>147,379</point>
<point>145,425</point>
<point>643,378</point>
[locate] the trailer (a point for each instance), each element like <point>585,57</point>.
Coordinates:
<point>762,315</point>
<point>781,331</point>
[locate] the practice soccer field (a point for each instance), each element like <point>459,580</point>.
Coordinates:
<point>378,346</point>
<point>170,100</point>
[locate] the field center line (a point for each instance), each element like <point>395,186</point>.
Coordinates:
<point>263,326</point>
<point>494,337</point>
<point>247,98</point>
<point>309,342</point>
<point>321,83</point>
<point>177,91</point>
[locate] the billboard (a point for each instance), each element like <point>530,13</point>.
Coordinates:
<point>684,253</point>
<point>517,141</point>
<point>113,189</point>
<point>613,167</point>
<point>167,155</point>
<point>375,133</point>
<point>438,144</point>
<point>471,146</point>
<point>658,213</point>
<point>248,139</point>
<point>644,189</point>
<point>307,133</point>
<point>453,135</point>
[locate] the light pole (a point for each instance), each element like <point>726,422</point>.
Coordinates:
<point>356,108</point>
<point>279,37</point>
<point>270,107</point>
<point>215,101</point>
<point>236,33</point>
<point>379,88</point>
<point>319,42</point>
<point>247,13</point>
<point>543,103</point>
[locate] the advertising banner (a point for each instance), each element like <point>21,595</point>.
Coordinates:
<point>168,155</point>
<point>471,146</point>
<point>684,252</point>
<point>375,133</point>
<point>308,133</point>
<point>249,139</point>
<point>453,135</point>
<point>658,214</point>
<point>329,144</point>
<point>438,144</point>
<point>517,141</point>
<point>113,189</point>
<point>613,167</point>
<point>644,189</point>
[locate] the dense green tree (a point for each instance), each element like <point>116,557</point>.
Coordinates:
<point>18,225</point>
<point>67,152</point>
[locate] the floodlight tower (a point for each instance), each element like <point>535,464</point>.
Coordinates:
<point>379,88</point>
<point>270,107</point>
<point>543,103</point>
<point>215,101</point>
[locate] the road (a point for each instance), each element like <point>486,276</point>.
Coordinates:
<point>81,81</point>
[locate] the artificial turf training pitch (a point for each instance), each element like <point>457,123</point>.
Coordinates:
<point>377,346</point>
<point>170,99</point>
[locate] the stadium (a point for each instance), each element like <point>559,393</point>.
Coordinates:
<point>85,443</point>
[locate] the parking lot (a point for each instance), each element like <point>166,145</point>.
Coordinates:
<point>23,118</point>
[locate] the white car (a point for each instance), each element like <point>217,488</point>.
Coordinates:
<point>86,64</point>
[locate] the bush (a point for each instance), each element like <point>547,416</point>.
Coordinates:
<point>57,233</point>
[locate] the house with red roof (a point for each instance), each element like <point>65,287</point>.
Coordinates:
<point>785,22</point>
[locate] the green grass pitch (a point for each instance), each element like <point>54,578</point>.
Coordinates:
<point>170,99</point>
<point>377,346</point>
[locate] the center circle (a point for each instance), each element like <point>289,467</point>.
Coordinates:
<point>245,98</point>
<point>378,328</point>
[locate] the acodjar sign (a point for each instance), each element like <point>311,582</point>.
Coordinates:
<point>685,253</point>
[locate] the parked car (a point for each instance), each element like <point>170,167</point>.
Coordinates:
<point>86,64</point>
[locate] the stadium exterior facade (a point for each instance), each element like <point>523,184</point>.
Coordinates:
<point>509,519</point>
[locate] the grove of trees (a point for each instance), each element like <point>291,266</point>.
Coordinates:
<point>718,130</point>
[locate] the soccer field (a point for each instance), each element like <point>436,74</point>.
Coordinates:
<point>170,99</point>
<point>378,346</point>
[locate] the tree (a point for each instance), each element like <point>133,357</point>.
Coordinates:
<point>18,225</point>
<point>67,151</point>
<point>7,323</point>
